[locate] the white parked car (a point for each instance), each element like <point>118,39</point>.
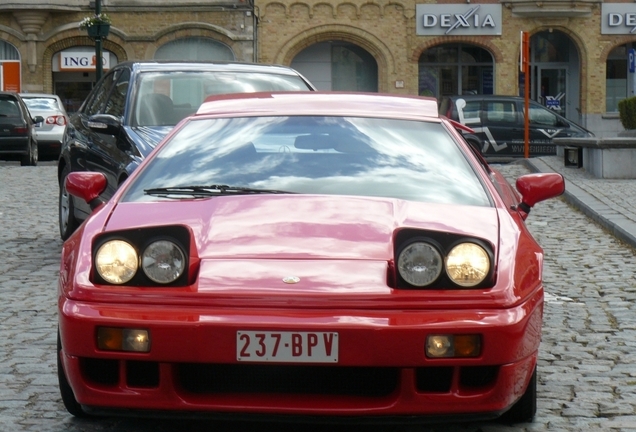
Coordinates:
<point>48,133</point>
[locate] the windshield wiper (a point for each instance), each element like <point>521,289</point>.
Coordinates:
<point>207,191</point>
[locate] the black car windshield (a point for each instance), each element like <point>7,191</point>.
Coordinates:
<point>166,98</point>
<point>401,159</point>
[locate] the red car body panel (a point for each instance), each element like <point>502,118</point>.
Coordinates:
<point>342,250</point>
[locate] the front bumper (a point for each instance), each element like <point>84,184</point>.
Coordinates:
<point>381,372</point>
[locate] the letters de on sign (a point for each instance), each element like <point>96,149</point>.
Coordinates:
<point>458,19</point>
<point>618,18</point>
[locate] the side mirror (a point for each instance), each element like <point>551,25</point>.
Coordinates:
<point>535,188</point>
<point>105,124</point>
<point>88,186</point>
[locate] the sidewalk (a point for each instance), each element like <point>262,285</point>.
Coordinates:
<point>611,203</point>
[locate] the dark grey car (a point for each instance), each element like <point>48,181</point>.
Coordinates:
<point>136,104</point>
<point>17,130</point>
<point>499,122</point>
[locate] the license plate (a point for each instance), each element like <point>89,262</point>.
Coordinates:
<point>293,347</point>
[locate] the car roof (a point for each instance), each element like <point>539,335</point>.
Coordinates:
<point>43,95</point>
<point>167,65</point>
<point>321,103</point>
<point>482,96</point>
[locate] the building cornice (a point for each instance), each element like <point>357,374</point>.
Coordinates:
<point>551,8</point>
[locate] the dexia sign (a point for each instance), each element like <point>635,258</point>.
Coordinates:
<point>618,18</point>
<point>458,19</point>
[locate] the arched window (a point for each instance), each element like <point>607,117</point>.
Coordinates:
<point>455,69</point>
<point>8,51</point>
<point>338,66</point>
<point>195,48</point>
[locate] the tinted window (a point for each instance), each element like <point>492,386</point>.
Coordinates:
<point>116,103</point>
<point>410,160</point>
<point>100,96</point>
<point>542,116</point>
<point>472,112</point>
<point>9,107</point>
<point>501,112</point>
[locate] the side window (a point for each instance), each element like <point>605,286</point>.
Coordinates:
<point>468,112</point>
<point>542,117</point>
<point>9,108</point>
<point>472,112</point>
<point>501,112</point>
<point>101,95</point>
<point>116,102</point>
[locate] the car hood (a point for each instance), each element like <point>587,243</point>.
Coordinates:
<point>340,249</point>
<point>304,226</point>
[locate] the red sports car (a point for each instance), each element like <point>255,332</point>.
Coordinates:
<point>307,254</point>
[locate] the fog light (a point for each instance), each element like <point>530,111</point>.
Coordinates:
<point>444,346</point>
<point>122,339</point>
<point>439,346</point>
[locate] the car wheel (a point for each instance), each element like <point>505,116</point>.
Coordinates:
<point>526,407</point>
<point>31,158</point>
<point>68,223</point>
<point>35,155</point>
<point>70,403</point>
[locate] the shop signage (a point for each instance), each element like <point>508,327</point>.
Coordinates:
<point>458,19</point>
<point>618,18</point>
<point>72,61</point>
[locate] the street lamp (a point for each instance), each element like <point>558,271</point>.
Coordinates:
<point>99,66</point>
<point>97,27</point>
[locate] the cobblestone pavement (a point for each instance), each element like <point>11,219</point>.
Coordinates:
<point>587,367</point>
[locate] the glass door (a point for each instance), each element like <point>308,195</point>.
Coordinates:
<point>553,86</point>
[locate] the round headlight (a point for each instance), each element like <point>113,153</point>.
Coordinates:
<point>116,262</point>
<point>467,264</point>
<point>420,264</point>
<point>163,261</point>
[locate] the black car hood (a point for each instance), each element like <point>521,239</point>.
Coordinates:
<point>146,138</point>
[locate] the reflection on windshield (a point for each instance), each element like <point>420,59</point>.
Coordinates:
<point>317,155</point>
<point>41,103</point>
<point>166,98</point>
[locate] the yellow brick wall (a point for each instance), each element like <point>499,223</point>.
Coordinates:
<point>286,27</point>
<point>133,36</point>
<point>387,31</point>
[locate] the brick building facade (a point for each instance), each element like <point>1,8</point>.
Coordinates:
<point>581,50</point>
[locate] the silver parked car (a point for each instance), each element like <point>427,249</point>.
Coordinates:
<point>50,132</point>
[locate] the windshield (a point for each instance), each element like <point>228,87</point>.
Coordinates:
<point>401,159</point>
<point>166,98</point>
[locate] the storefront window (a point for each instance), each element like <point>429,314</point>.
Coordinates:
<point>616,77</point>
<point>448,70</point>
<point>196,49</point>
